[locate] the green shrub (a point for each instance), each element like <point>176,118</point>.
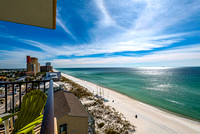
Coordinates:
<point>111,131</point>
<point>77,89</point>
<point>100,125</point>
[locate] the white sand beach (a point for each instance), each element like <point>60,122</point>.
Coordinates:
<point>150,120</point>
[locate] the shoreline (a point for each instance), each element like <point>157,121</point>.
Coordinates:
<point>151,119</point>
<point>156,107</point>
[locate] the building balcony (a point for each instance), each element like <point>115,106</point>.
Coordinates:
<point>12,100</point>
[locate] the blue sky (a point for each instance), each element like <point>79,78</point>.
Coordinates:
<point>109,33</point>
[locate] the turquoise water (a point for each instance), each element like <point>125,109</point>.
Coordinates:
<point>174,89</point>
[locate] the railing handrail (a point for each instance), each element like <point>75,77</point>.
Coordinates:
<point>20,82</point>
<point>48,118</point>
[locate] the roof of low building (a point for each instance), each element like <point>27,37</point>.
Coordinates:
<point>59,83</point>
<point>66,103</point>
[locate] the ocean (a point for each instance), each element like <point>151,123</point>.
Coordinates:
<point>173,89</point>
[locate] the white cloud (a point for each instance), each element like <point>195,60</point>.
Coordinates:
<point>17,58</point>
<point>106,18</point>
<point>62,24</point>
<point>161,14</point>
<point>180,56</point>
<point>139,44</point>
<point>185,56</point>
<point>152,21</point>
<point>145,34</point>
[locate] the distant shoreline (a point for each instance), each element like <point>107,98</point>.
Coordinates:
<point>131,107</point>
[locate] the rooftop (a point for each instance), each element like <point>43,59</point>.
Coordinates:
<point>66,103</point>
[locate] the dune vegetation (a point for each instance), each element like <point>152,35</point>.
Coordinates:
<point>107,119</point>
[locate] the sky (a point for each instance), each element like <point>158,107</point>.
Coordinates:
<point>109,33</point>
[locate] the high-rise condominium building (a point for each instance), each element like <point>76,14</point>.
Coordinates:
<point>47,68</point>
<point>33,65</point>
<point>48,63</point>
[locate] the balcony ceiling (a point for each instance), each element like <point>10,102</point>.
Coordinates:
<point>41,13</point>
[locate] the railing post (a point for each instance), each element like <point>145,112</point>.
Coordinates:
<point>10,104</point>
<point>26,87</point>
<point>44,87</point>
<point>13,97</point>
<point>20,95</point>
<point>48,118</point>
<point>13,101</point>
<point>38,85</point>
<point>6,99</point>
<point>32,85</point>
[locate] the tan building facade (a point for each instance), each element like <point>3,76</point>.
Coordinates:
<point>73,125</point>
<point>38,67</point>
<point>35,62</point>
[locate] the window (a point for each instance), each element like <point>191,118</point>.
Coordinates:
<point>63,129</point>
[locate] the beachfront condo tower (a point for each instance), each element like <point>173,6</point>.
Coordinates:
<point>33,66</point>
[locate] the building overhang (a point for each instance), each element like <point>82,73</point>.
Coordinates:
<point>41,13</point>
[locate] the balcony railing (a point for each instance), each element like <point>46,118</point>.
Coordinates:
<point>48,126</point>
<point>48,120</point>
